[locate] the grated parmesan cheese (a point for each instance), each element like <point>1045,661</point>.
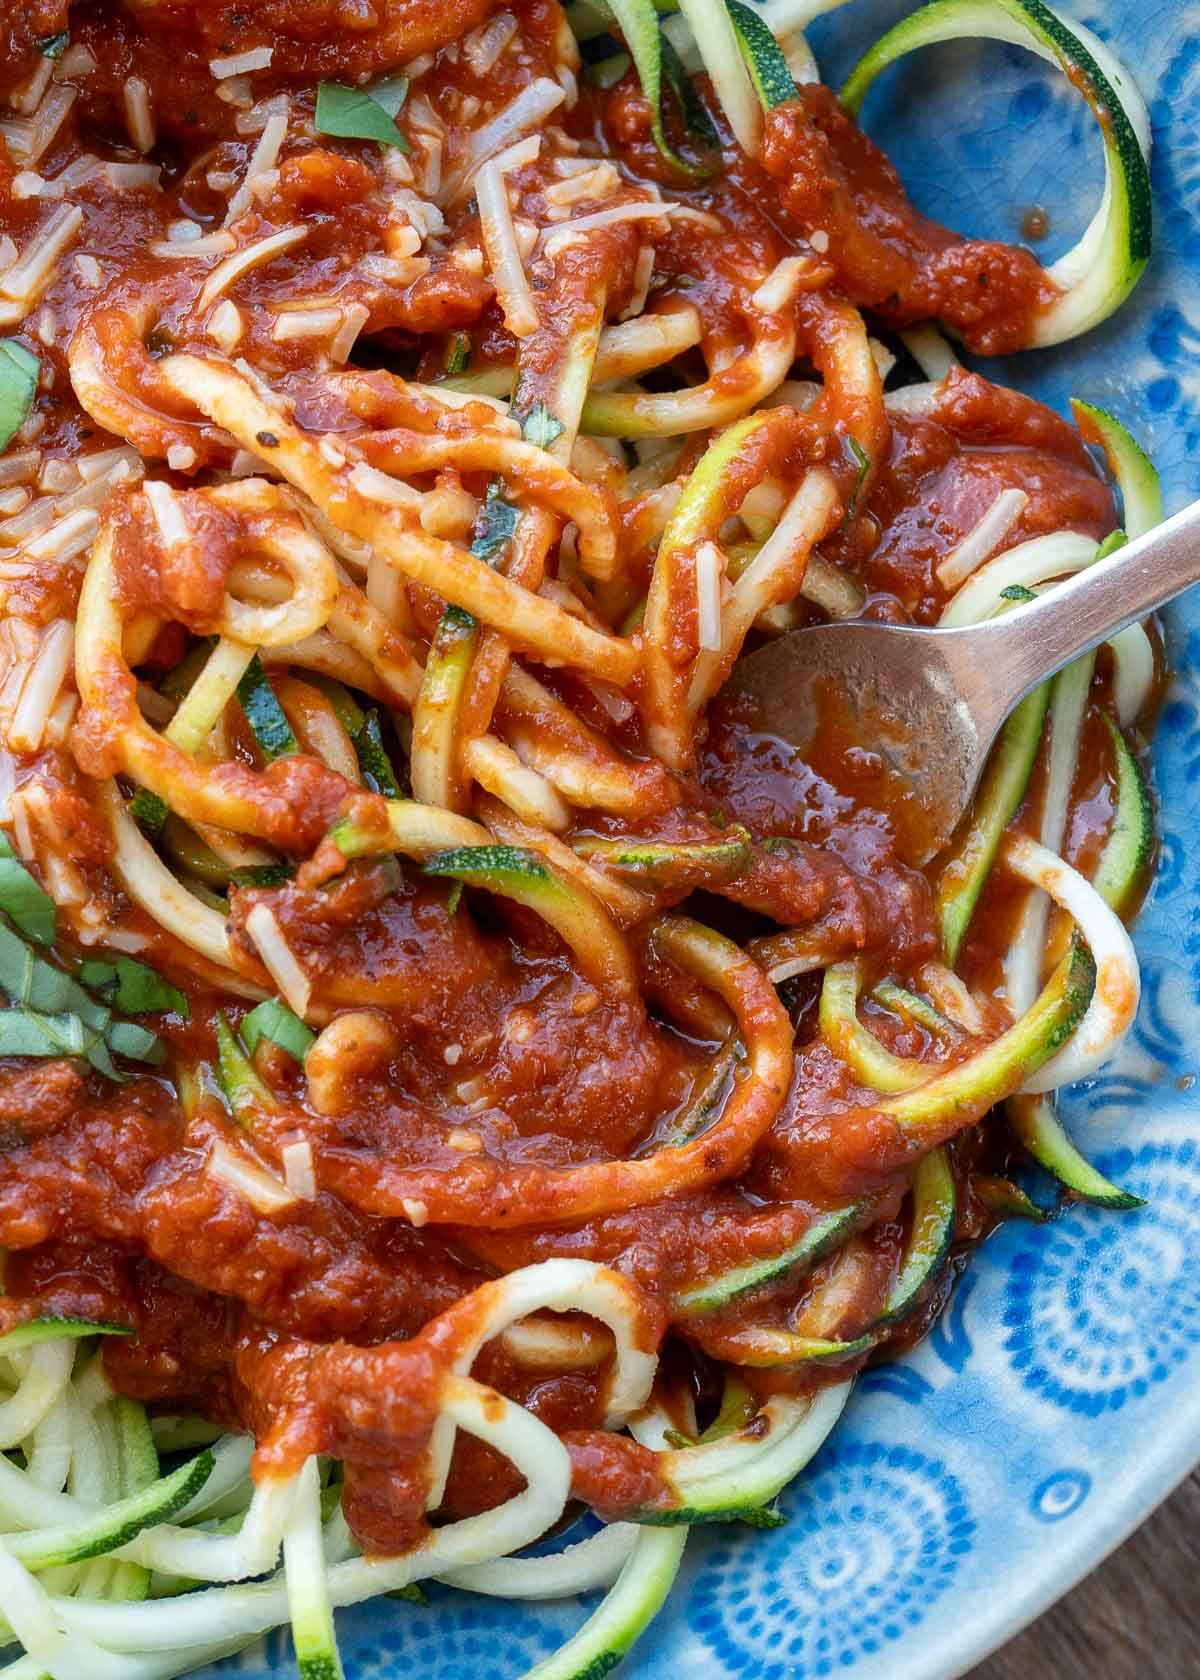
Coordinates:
<point>251,256</point>
<point>982,541</point>
<point>264,156</point>
<point>381,487</point>
<point>779,288</point>
<point>305,323</point>
<point>299,1171</point>
<point>709,567</point>
<point>139,116</point>
<point>642,274</point>
<point>249,1178</point>
<point>354,319</point>
<point>225,325</point>
<point>240,64</point>
<point>279,959</point>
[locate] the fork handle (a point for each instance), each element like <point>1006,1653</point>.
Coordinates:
<point>1037,639</point>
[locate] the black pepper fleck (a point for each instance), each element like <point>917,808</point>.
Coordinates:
<point>267,439</point>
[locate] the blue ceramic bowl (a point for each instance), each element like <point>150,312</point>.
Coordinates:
<point>1058,1400</point>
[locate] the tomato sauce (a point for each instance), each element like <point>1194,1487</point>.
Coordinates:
<point>484,1047</point>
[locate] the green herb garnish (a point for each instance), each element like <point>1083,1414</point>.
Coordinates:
<point>133,987</point>
<point>19,369</point>
<point>26,903</point>
<point>274,1020</point>
<point>362,114</point>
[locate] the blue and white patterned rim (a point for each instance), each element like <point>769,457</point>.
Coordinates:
<point>1058,1400</point>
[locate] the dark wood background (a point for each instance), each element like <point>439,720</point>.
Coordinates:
<point>1136,1618</point>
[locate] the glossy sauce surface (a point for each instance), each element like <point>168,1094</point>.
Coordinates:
<point>496,1050</point>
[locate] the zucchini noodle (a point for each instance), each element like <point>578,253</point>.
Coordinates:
<point>469,1103</point>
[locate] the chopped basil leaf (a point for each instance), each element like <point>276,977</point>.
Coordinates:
<point>31,980</point>
<point>454,898</point>
<point>143,991</point>
<point>19,369</point>
<point>54,1016</point>
<point>28,1032</point>
<point>373,760</point>
<point>274,1020</point>
<point>264,714</point>
<point>1017,592</point>
<point>148,811</point>
<point>138,1043</point>
<point>32,1032</point>
<point>134,988</point>
<point>355,114</point>
<point>390,92</point>
<point>25,903</point>
<point>53,46</point>
<point>495,525</point>
<point>540,427</point>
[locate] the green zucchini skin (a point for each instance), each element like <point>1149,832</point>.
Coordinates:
<point>767,66</point>
<point>972,855</point>
<point>1122,865</point>
<point>1099,288</point>
<point>1129,848</point>
<point>667,865</point>
<point>931,1232</point>
<point>962,1093</point>
<point>825,1233</point>
<point>266,717</point>
<point>1137,479</point>
<point>1037,1125</point>
<point>114,1526</point>
<point>944,1103</point>
<point>39,1330</point>
<point>244,1090</point>
<point>523,876</point>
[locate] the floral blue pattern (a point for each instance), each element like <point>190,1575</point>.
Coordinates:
<point>875,1535</point>
<point>1098,1310</point>
<point>1060,1388</point>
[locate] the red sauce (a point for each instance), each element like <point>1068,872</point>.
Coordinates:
<point>487,1050</point>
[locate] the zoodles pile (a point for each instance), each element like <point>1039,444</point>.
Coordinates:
<point>455,1074</point>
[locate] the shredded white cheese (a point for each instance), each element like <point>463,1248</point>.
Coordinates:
<point>249,1178</point>
<point>709,567</point>
<point>279,959</point>
<point>779,288</point>
<point>298,1170</point>
<point>168,515</point>
<point>380,487</point>
<point>264,156</point>
<point>251,256</point>
<point>139,115</point>
<point>240,64</point>
<point>513,291</point>
<point>225,325</point>
<point>982,541</point>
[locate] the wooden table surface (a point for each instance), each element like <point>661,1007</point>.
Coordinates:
<point>1136,1618</point>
